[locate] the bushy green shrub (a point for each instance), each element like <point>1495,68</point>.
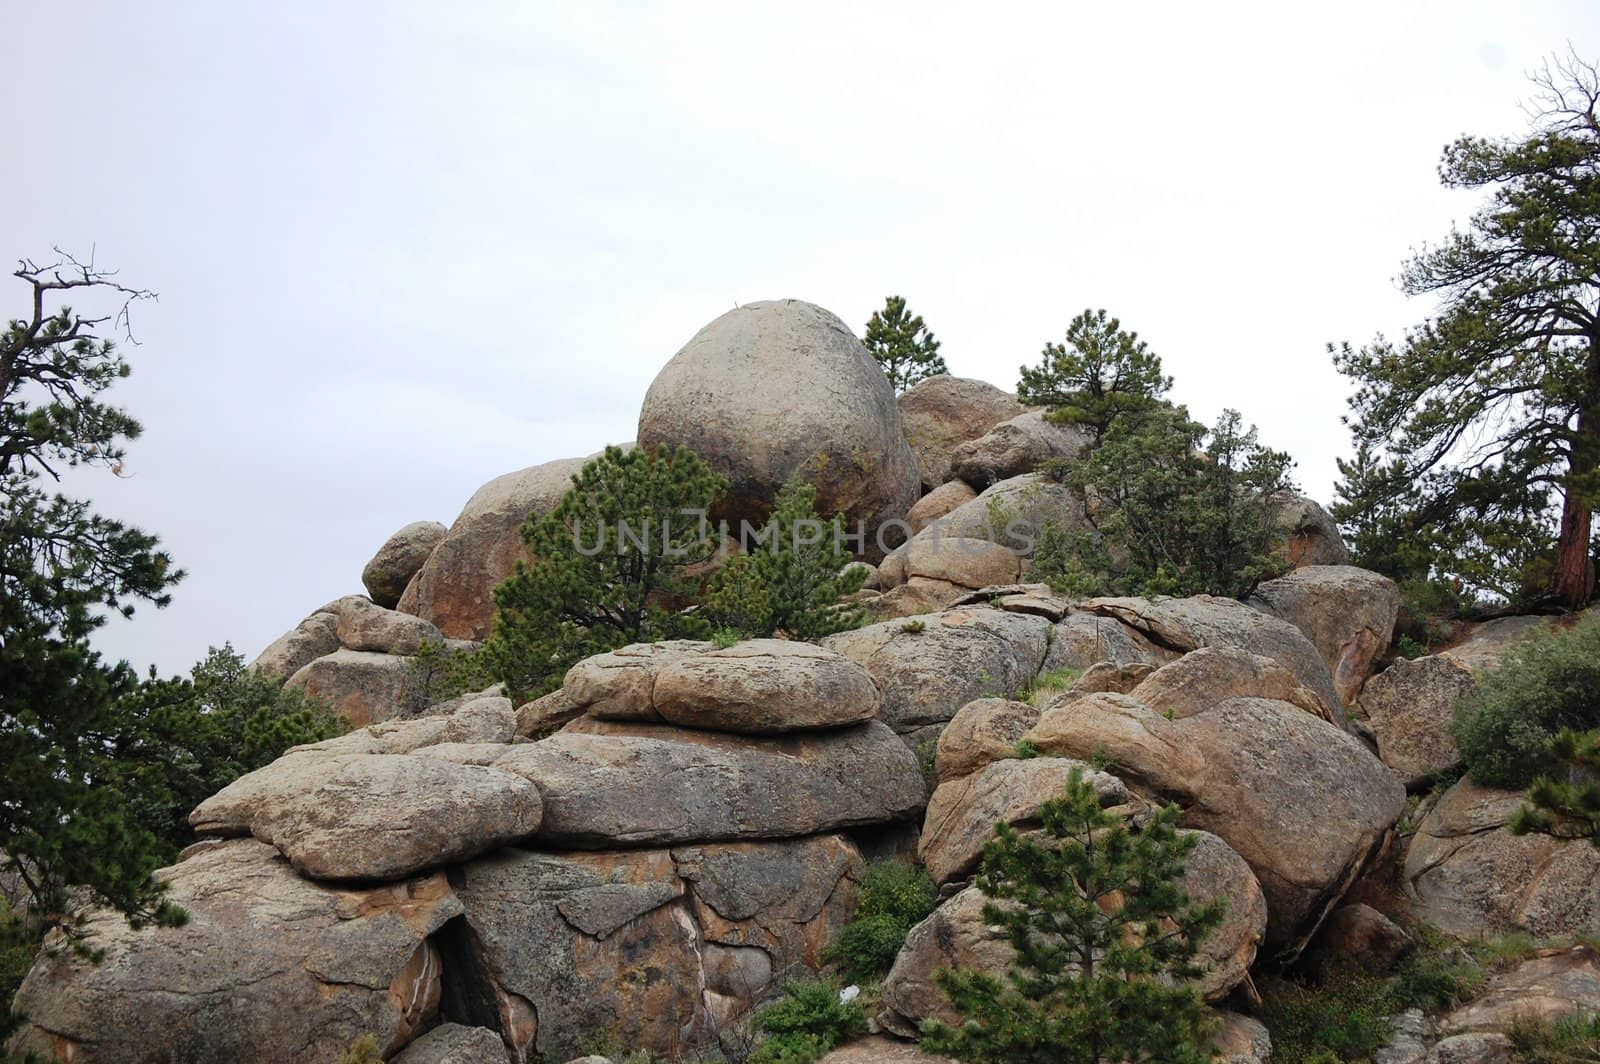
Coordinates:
<point>1505,725</point>
<point>1343,1018</point>
<point>895,896</point>
<point>809,1020</point>
<point>438,673</point>
<point>1572,1040</point>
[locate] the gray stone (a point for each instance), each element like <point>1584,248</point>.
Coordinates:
<point>1409,706</point>
<point>1346,612</point>
<point>362,687</point>
<point>451,1043</point>
<point>385,577</point>
<point>314,637</point>
<point>941,413</point>
<point>1014,447</point>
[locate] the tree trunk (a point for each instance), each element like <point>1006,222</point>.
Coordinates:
<point>1573,575</point>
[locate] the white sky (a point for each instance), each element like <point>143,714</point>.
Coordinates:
<point>404,248</point>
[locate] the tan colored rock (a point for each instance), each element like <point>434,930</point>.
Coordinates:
<point>1015,447</point>
<point>360,686</point>
<point>388,816</point>
<point>983,731</point>
<point>1487,642</point>
<point>1468,875</point>
<point>364,625</point>
<point>546,714</point>
<point>1546,988</point>
<point>1036,599</point>
<point>956,936</point>
<point>399,559</point>
<point>928,667</point>
<point>920,595</point>
<point>1305,534</point>
<point>1185,624</point>
<point>651,947</point>
<point>765,687</point>
<point>1299,799</point>
<point>966,562</point>
<point>1241,1040</point>
<point>1409,706</point>
<point>620,685</point>
<point>269,967</point>
<point>1362,935</point>
<point>451,1043</point>
<point>962,813</point>
<point>937,503</point>
<point>1346,612</point>
<point>778,389</point>
<point>1106,677</point>
<point>315,637</point>
<point>608,783</point>
<point>1012,512</point>
<point>940,413</point>
<point>454,589</point>
<point>1202,678</point>
<point>880,1049</point>
<point>1081,640</point>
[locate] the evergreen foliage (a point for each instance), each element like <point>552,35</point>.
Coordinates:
<point>791,582</point>
<point>1566,808</point>
<point>1106,939</point>
<point>609,566</point>
<point>1100,373</point>
<point>904,347</point>
<point>1478,435</point>
<point>894,897</point>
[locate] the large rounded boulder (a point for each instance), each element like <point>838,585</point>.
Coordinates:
<point>385,577</point>
<point>779,389</point>
<point>942,412</point>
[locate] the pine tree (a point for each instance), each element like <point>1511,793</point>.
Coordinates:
<point>1098,374</point>
<point>1568,809</point>
<point>608,566</point>
<point>66,819</point>
<point>793,581</point>
<point>1483,424</point>
<point>1105,938</point>
<point>902,344</point>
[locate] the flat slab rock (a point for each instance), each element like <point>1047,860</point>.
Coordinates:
<point>617,783</point>
<point>269,967</point>
<point>756,687</point>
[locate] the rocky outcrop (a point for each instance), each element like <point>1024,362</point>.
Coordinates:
<point>1204,677</point>
<point>1305,534</point>
<point>758,687</point>
<point>1486,643</point>
<point>956,935</point>
<point>362,687</point>
<point>937,503</point>
<point>315,637</point>
<point>941,413</point>
<point>651,947</point>
<point>928,667</point>
<point>451,1043</point>
<point>385,577</point>
<point>454,589</point>
<point>1185,624</point>
<point>607,783</point>
<point>269,967</point>
<point>366,626</point>
<point>983,731</point>
<point>1409,706</point>
<point>1346,612</point>
<point>1467,874</point>
<point>1358,934</point>
<point>1014,447</point>
<point>773,390</point>
<point>1299,799</point>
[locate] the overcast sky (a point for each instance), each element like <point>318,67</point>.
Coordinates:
<point>403,248</point>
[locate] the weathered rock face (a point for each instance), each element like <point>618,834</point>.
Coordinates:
<point>1080,640</point>
<point>1299,799</point>
<point>1361,934</point>
<point>962,813</point>
<point>454,589</point>
<point>1488,642</point>
<point>1241,1040</point>
<point>930,666</point>
<point>385,577</point>
<point>1012,512</point>
<point>941,413</point>
<point>1470,876</point>
<point>968,563</point>
<point>956,936</point>
<point>315,637</point>
<point>1408,706</point>
<point>938,502</point>
<point>364,625</point>
<point>1015,447</point>
<point>983,731</point>
<point>1202,678</point>
<point>1306,534</point>
<point>362,687</point>
<point>1185,624</point>
<point>451,1043</point>
<point>776,389</point>
<point>649,946</point>
<point>640,784</point>
<point>269,967</point>
<point>1549,987</point>
<point>1346,612</point>
<point>759,686</point>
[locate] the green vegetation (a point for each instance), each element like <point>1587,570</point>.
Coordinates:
<point>1573,1040</point>
<point>1098,375</point>
<point>1478,435</point>
<point>607,562</point>
<point>438,673</point>
<point>894,897</point>
<point>810,1019</point>
<point>1170,508</point>
<point>363,1050</point>
<point>792,582</point>
<point>902,344</point>
<point>1504,726</point>
<point>1570,808</point>
<point>1050,683</point>
<point>1095,981</point>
